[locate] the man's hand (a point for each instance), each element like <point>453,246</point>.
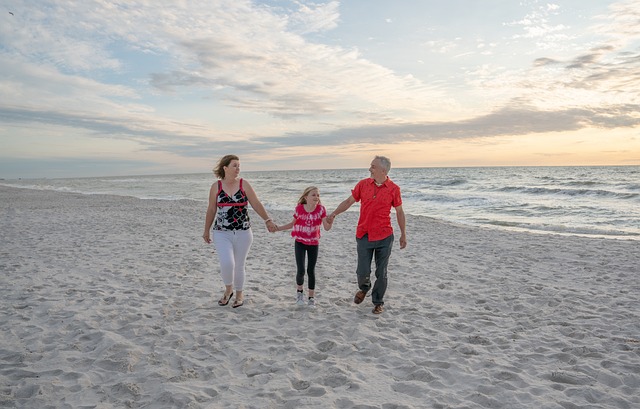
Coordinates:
<point>403,241</point>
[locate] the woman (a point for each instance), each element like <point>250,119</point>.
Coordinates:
<point>232,235</point>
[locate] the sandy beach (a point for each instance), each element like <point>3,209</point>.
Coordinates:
<point>111,302</point>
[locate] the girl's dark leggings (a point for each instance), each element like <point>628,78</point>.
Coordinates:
<point>312,256</point>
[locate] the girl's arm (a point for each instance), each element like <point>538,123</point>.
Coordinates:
<point>286,226</point>
<point>327,221</point>
<point>326,224</point>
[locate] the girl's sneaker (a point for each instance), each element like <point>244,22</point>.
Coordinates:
<point>312,302</point>
<point>300,298</point>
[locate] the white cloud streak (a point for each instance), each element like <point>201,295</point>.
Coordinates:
<point>64,63</point>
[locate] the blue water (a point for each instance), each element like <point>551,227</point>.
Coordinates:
<point>593,201</point>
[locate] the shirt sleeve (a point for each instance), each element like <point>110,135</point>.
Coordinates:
<point>397,198</point>
<point>356,191</point>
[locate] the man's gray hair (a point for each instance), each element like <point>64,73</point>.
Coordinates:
<point>385,162</point>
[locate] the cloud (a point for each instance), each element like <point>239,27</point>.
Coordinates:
<point>621,25</point>
<point>150,131</point>
<point>311,18</point>
<point>611,74</point>
<point>537,24</point>
<point>544,61</point>
<point>442,46</point>
<point>84,65</point>
<point>506,121</point>
<point>252,57</point>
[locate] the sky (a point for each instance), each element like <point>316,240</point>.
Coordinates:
<point>100,88</point>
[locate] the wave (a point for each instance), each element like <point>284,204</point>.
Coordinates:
<point>604,203</point>
<point>582,183</point>
<point>123,180</point>
<point>451,182</point>
<point>444,198</point>
<point>562,229</point>
<point>568,192</point>
<point>32,186</point>
<point>86,191</point>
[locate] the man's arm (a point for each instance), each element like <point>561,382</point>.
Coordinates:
<point>402,223</point>
<point>342,207</point>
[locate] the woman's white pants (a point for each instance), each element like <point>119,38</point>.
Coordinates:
<point>233,247</point>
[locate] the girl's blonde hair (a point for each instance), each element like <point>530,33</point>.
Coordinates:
<point>303,197</point>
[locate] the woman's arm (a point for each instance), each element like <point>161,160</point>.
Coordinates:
<point>256,204</point>
<point>212,208</point>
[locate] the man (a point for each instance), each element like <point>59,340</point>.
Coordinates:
<point>374,234</point>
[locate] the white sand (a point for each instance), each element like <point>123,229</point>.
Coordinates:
<point>110,302</point>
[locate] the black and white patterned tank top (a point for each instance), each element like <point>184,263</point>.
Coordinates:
<point>233,213</point>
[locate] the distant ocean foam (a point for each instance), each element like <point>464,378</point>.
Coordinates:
<point>592,201</point>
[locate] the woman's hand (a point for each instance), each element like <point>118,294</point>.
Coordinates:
<point>271,226</point>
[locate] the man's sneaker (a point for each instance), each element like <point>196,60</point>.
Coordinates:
<point>300,298</point>
<point>312,302</point>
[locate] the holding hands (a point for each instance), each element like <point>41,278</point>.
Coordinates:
<point>271,226</point>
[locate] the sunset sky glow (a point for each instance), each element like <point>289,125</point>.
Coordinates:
<point>96,88</point>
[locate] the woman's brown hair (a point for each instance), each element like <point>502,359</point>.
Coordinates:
<point>224,161</point>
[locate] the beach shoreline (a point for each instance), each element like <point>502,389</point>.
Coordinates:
<point>586,201</point>
<point>110,301</point>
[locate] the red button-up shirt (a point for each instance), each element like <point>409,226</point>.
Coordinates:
<point>375,207</point>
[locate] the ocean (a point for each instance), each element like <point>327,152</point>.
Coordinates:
<point>599,201</point>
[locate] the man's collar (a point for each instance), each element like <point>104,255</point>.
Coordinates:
<point>383,183</point>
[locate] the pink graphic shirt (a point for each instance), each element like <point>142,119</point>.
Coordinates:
<point>306,228</point>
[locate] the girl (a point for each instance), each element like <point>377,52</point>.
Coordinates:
<point>309,214</point>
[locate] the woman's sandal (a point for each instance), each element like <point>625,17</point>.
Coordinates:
<point>238,303</point>
<point>225,300</point>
